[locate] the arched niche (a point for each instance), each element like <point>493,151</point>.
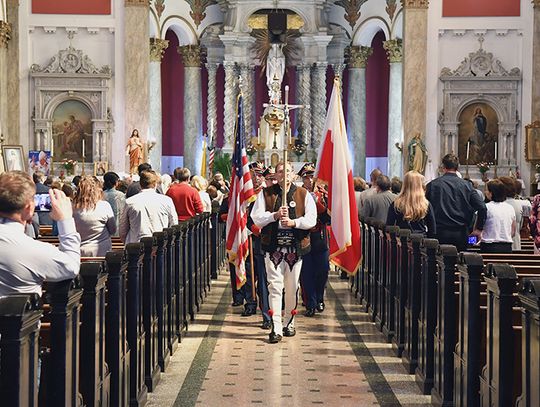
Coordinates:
<point>480,80</point>
<point>184,31</point>
<point>369,28</point>
<point>71,77</point>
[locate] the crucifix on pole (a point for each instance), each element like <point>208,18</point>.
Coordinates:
<point>279,115</point>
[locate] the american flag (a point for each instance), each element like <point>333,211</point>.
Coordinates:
<point>240,196</point>
<point>211,154</point>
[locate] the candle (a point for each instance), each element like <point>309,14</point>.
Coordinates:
<point>495,152</point>
<point>52,147</point>
<point>83,149</point>
<point>468,148</point>
<point>286,94</point>
<point>259,136</point>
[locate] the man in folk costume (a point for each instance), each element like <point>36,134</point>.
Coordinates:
<point>315,264</point>
<point>285,223</point>
<point>257,169</point>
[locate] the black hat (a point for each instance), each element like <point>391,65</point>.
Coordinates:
<point>307,169</point>
<point>257,167</point>
<point>269,171</point>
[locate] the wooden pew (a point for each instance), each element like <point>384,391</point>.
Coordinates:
<point>393,264</point>
<point>401,293</point>
<point>19,327</point>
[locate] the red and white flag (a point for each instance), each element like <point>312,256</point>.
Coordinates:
<point>334,168</point>
<point>241,195</point>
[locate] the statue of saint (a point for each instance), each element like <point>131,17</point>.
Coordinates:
<point>275,66</point>
<point>134,150</point>
<point>417,154</point>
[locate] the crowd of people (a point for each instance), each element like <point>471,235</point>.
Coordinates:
<point>288,229</point>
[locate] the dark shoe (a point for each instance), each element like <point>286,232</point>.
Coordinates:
<point>320,307</point>
<point>266,325</point>
<point>289,331</point>
<point>274,338</point>
<point>248,312</point>
<point>237,303</point>
<point>310,312</point>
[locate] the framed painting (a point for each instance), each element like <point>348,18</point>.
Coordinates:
<point>532,141</point>
<point>13,158</point>
<point>100,168</point>
<point>72,131</point>
<point>40,161</point>
<point>478,132</point>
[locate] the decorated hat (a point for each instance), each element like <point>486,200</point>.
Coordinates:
<point>307,169</point>
<point>269,171</point>
<point>257,167</point>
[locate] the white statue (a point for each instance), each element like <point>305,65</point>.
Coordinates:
<point>275,65</point>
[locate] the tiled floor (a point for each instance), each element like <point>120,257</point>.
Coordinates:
<point>226,360</point>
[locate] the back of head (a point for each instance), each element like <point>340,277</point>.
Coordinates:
<point>412,202</point>
<point>76,180</point>
<point>148,179</point>
<point>212,191</point>
<point>517,187</point>
<point>509,186</point>
<point>359,184</point>
<point>383,183</point>
<point>182,174</point>
<point>376,173</point>
<point>450,162</point>
<point>110,179</point>
<point>497,190</point>
<point>122,186</point>
<point>396,185</point>
<point>143,167</point>
<point>68,190</point>
<point>88,193</point>
<point>198,182</point>
<point>38,177</point>
<point>16,190</point>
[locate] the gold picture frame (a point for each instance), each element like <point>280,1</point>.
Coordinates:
<point>100,168</point>
<point>532,141</point>
<point>13,158</point>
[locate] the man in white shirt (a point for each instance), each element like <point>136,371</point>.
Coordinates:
<point>285,227</point>
<point>146,212</point>
<point>24,262</point>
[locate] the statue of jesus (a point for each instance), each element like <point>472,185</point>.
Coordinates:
<point>275,65</point>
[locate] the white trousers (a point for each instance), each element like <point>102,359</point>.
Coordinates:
<point>281,277</point>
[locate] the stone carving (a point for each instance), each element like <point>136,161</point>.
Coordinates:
<point>415,3</point>
<point>394,50</point>
<point>357,56</point>
<point>159,5</point>
<point>480,64</point>
<point>191,55</point>
<point>71,60</point>
<point>198,8</point>
<point>5,33</point>
<point>230,105</point>
<point>211,101</point>
<point>247,74</point>
<point>352,10</point>
<point>391,6</point>
<point>305,98</point>
<point>157,49</point>
<point>318,102</point>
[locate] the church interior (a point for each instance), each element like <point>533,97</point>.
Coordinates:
<point>418,80</point>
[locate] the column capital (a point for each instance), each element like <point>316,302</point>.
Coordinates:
<point>157,49</point>
<point>5,33</point>
<point>140,3</point>
<point>394,50</point>
<point>415,4</point>
<point>211,66</point>
<point>191,55</point>
<point>357,56</point>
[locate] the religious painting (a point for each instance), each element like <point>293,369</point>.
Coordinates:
<point>39,161</point>
<point>100,168</point>
<point>478,134</point>
<point>72,131</point>
<point>13,158</point>
<point>532,141</point>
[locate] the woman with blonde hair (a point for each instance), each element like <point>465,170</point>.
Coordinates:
<point>94,218</point>
<point>200,184</point>
<point>411,210</point>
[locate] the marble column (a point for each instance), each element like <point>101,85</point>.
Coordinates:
<point>356,115</point>
<point>414,70</point>
<point>157,48</point>
<point>394,52</point>
<point>211,110</point>
<point>191,56</point>
<point>304,98</point>
<point>230,103</point>
<point>535,113</point>
<point>5,35</point>
<point>247,72</point>
<point>318,103</point>
<point>136,66</point>
<point>13,82</point>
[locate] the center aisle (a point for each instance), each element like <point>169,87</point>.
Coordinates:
<point>226,360</point>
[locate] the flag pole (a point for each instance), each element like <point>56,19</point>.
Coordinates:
<point>285,144</point>
<point>251,262</point>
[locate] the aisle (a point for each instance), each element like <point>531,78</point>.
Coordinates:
<point>226,360</point>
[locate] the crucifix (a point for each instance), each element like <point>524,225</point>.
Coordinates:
<point>279,114</point>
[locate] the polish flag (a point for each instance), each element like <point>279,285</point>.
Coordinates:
<point>334,169</point>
